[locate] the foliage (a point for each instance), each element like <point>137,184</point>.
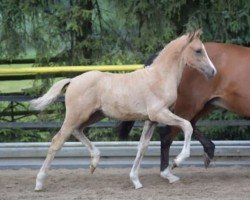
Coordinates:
<point>24,136</point>
<point>226,133</point>
<point>92,31</point>
<point>81,32</point>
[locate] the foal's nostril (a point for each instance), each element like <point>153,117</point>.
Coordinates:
<point>210,72</point>
<point>214,72</point>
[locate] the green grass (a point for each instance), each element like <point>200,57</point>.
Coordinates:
<point>16,65</point>
<point>15,86</point>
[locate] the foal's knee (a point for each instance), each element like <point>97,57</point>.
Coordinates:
<point>187,128</point>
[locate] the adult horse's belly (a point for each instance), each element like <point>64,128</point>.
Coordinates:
<point>233,92</point>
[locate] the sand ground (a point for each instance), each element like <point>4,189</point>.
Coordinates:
<point>64,184</point>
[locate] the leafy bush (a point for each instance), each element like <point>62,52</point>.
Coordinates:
<point>224,132</point>
<point>111,32</point>
<point>19,135</point>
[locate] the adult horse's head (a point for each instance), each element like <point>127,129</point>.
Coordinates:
<point>195,55</point>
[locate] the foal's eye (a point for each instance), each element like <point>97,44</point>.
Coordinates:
<point>198,51</point>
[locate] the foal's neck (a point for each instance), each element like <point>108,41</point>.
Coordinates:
<point>169,65</point>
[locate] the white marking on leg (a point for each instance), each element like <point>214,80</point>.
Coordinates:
<point>147,133</point>
<point>95,156</point>
<point>166,174</point>
<point>41,176</point>
<point>135,179</point>
<point>167,117</point>
<point>185,153</point>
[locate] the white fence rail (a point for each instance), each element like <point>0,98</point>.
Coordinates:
<point>117,154</point>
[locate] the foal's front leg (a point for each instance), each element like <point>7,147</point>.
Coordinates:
<point>147,133</point>
<point>165,116</point>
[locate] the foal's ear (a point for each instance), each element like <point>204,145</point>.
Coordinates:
<point>193,35</point>
<point>198,33</point>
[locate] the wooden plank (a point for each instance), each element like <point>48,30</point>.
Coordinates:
<point>47,125</point>
<point>22,98</point>
<point>224,123</point>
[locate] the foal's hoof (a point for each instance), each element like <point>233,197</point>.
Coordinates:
<point>138,186</point>
<point>38,188</point>
<point>174,165</point>
<point>207,160</point>
<point>166,174</point>
<point>92,169</point>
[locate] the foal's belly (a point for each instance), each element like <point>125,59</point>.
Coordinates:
<point>123,106</point>
<point>124,112</point>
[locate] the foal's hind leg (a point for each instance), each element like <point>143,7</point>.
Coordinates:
<point>147,133</point>
<point>73,120</point>
<point>94,152</point>
<point>78,133</point>
<point>57,142</point>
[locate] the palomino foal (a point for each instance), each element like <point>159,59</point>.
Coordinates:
<point>92,96</point>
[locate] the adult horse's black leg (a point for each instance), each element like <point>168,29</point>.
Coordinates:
<point>166,137</point>
<point>207,144</point>
<point>166,141</point>
<point>123,129</point>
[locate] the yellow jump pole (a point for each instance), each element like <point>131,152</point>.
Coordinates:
<point>65,69</point>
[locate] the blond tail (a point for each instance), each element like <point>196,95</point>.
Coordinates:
<point>42,102</point>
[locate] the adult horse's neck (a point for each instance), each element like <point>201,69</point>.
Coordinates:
<point>170,64</point>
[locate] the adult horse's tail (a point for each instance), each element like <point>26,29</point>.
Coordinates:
<point>42,102</point>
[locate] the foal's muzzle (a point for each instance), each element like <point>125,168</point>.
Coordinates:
<point>209,72</point>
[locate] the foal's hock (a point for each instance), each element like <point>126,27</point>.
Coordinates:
<point>92,96</point>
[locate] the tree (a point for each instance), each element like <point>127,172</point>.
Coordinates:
<point>85,32</point>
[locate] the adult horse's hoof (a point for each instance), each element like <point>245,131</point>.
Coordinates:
<point>208,153</point>
<point>207,160</point>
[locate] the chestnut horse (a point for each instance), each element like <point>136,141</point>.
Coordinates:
<point>91,96</point>
<point>197,96</point>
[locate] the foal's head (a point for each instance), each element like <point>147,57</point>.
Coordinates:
<point>195,55</point>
